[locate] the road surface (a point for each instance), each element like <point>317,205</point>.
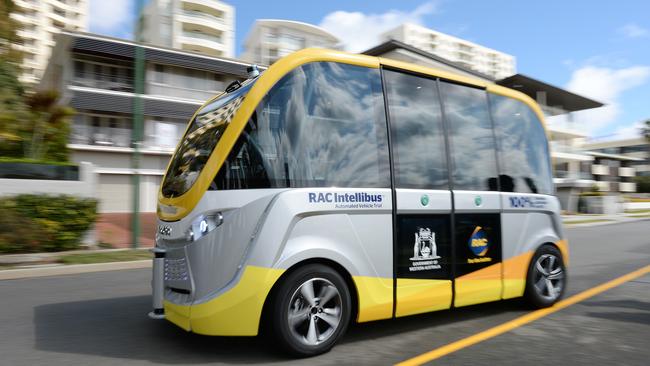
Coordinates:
<point>100,319</point>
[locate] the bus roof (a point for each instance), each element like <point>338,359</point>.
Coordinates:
<point>287,63</point>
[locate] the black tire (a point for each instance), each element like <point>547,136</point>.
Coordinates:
<point>288,297</point>
<point>539,293</point>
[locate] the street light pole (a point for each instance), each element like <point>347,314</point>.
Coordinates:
<point>136,137</point>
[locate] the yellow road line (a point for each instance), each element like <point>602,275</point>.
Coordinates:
<point>522,320</point>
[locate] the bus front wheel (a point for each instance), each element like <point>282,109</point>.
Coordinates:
<point>546,278</point>
<point>310,310</point>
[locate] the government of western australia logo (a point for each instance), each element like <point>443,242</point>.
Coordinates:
<point>425,251</point>
<point>479,245</point>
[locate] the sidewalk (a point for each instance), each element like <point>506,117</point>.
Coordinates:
<point>601,219</point>
<point>48,258</point>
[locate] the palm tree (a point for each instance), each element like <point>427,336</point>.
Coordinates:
<point>45,134</point>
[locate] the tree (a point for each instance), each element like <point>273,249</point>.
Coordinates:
<point>8,36</point>
<point>45,133</point>
<point>12,110</point>
<point>32,124</point>
<point>645,130</point>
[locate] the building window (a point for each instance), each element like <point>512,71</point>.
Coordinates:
<point>79,69</point>
<point>98,72</point>
<point>114,73</point>
<point>159,74</point>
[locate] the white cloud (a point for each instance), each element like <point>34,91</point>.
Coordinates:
<point>113,18</point>
<point>604,85</point>
<point>628,132</point>
<point>632,30</point>
<point>360,31</point>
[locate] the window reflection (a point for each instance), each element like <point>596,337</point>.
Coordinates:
<point>523,147</point>
<point>321,125</point>
<point>472,140</point>
<point>418,140</point>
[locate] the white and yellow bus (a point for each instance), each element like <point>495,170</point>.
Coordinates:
<point>337,187</point>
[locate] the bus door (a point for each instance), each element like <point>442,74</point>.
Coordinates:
<point>423,205</point>
<point>525,182</point>
<point>477,206</point>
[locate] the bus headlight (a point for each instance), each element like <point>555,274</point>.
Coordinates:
<point>202,225</point>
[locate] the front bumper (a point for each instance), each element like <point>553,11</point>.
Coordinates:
<point>235,312</point>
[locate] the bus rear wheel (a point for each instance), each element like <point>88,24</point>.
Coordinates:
<point>310,310</point>
<point>546,278</point>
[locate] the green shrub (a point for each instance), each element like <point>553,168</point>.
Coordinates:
<point>642,184</point>
<point>33,223</point>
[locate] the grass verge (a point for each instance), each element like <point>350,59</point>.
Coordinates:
<point>588,221</point>
<point>637,211</point>
<point>112,256</point>
<point>641,215</point>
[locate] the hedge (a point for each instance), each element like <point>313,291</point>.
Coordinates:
<point>44,223</point>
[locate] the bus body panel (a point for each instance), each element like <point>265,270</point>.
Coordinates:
<point>414,293</point>
<point>529,221</point>
<point>218,284</point>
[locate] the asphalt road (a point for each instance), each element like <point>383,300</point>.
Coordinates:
<point>100,319</point>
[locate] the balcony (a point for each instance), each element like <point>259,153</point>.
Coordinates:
<point>573,175</point>
<point>179,92</point>
<point>202,16</point>
<point>202,43</point>
<point>101,136</point>
<point>599,169</point>
<point>104,81</point>
<point>626,172</point>
<point>627,187</point>
<point>603,186</point>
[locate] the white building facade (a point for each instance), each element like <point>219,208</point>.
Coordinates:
<point>468,54</point>
<point>94,75</point>
<point>39,21</point>
<point>271,39</point>
<point>203,26</point>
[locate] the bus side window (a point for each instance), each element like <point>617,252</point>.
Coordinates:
<point>321,125</point>
<point>416,130</point>
<point>473,150</point>
<point>523,148</point>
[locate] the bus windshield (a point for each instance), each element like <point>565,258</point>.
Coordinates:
<point>203,134</point>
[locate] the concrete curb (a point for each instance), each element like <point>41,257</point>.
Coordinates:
<point>13,274</point>
<point>602,223</point>
<point>25,258</point>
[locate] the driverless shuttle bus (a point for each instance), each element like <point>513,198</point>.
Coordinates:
<point>336,187</point>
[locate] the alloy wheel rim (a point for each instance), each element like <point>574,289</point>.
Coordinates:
<point>548,277</point>
<point>315,311</point>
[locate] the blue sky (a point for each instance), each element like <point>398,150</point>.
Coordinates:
<point>598,49</point>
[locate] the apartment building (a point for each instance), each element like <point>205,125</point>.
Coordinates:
<point>40,21</point>
<point>638,148</point>
<point>465,53</point>
<point>94,74</point>
<point>203,26</point>
<point>271,39</point>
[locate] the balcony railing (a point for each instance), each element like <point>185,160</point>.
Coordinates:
<point>208,37</point>
<point>627,187</point>
<point>104,81</point>
<point>202,15</point>
<point>573,175</point>
<point>598,169</point>
<point>179,92</point>
<point>101,136</point>
<point>626,172</point>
